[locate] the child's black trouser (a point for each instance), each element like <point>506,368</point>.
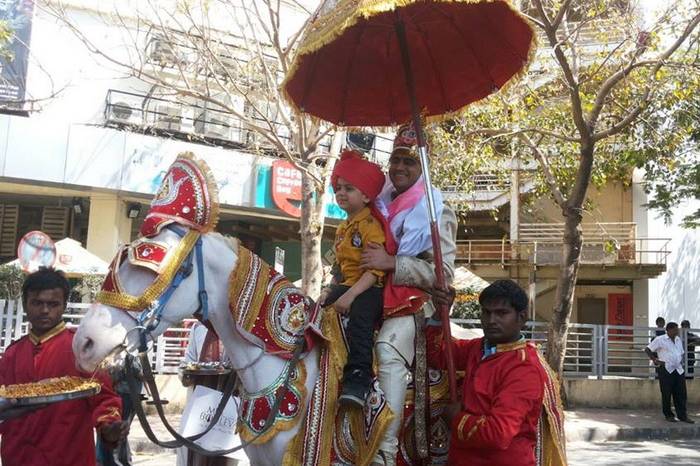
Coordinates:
<point>365,313</point>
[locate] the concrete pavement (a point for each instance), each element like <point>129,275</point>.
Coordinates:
<point>649,453</point>
<point>613,437</point>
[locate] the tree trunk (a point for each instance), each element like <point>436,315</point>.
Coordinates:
<point>566,285</point>
<point>571,255</point>
<point>311,227</point>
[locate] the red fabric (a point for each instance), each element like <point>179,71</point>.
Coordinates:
<point>359,172</point>
<point>460,53</point>
<point>184,197</point>
<point>61,434</point>
<point>398,300</point>
<point>501,403</point>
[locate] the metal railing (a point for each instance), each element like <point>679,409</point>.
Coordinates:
<point>591,350</point>
<point>602,350</point>
<point>640,251</point>
<point>600,231</point>
<point>481,182</point>
<point>194,121</point>
<point>165,353</point>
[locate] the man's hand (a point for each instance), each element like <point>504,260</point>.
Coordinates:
<point>113,433</point>
<point>342,305</point>
<point>450,411</point>
<point>658,362</point>
<point>9,409</point>
<point>443,297</point>
<point>375,257</point>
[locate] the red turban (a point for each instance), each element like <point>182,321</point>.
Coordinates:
<point>359,172</point>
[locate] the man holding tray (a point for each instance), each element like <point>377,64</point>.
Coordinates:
<point>60,434</point>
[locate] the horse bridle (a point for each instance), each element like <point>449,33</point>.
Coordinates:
<point>149,319</point>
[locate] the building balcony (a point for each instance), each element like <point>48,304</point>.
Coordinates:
<point>611,251</point>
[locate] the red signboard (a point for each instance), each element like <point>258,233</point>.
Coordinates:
<point>286,187</point>
<point>620,312</point>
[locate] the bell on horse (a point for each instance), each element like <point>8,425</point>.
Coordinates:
<point>287,354</point>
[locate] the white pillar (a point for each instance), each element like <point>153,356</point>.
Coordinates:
<point>514,199</point>
<point>640,216</point>
<point>108,227</point>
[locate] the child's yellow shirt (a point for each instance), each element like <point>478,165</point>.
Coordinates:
<point>350,240</point>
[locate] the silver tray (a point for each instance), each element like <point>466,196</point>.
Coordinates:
<point>48,399</point>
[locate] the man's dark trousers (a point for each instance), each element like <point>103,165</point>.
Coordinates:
<point>673,386</point>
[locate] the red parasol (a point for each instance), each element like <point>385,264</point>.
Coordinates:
<point>383,62</point>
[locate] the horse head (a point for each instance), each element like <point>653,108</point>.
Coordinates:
<point>158,280</point>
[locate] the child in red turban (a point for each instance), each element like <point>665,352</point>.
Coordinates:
<point>357,292</point>
<point>364,295</point>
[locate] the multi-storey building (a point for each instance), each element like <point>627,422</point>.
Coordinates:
<point>86,143</point>
<point>83,160</point>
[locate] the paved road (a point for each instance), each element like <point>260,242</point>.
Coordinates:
<point>657,453</point>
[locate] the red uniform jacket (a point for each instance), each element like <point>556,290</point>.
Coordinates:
<point>501,402</point>
<point>62,433</point>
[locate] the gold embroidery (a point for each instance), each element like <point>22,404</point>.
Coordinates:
<point>278,424</point>
<point>111,415</point>
<point>48,335</point>
<point>478,424</point>
<point>460,427</point>
<point>516,345</point>
<point>243,277</point>
<point>121,300</point>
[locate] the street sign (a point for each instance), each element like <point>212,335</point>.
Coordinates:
<point>36,249</point>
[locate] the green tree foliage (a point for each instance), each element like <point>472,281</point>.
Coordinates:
<point>11,279</point>
<point>6,34</point>
<point>607,92</point>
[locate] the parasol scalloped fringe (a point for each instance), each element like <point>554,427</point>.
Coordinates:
<point>212,187</point>
<point>348,12</point>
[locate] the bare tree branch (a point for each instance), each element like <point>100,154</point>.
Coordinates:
<point>611,82</point>
<point>546,170</point>
<point>572,83</point>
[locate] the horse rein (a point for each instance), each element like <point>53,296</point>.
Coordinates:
<point>189,442</point>
<point>148,320</point>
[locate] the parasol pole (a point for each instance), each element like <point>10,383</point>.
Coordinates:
<point>434,226</point>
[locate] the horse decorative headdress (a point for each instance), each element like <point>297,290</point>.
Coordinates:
<point>188,197</point>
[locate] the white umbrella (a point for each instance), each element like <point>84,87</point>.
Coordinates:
<point>74,260</point>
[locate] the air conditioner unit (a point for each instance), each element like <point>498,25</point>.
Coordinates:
<point>121,112</point>
<point>162,51</point>
<point>167,117</point>
<point>216,128</point>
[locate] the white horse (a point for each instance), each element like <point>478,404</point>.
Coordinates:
<point>105,328</point>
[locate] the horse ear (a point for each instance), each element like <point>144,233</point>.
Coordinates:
<point>188,195</point>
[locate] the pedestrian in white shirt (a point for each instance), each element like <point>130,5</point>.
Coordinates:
<point>669,359</point>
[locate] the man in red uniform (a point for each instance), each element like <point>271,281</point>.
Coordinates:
<point>508,389</point>
<point>60,434</point>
